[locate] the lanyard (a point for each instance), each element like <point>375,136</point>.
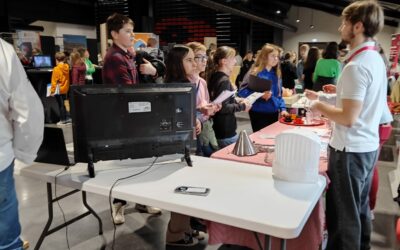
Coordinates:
<point>361,50</point>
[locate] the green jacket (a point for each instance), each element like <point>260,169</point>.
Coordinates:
<point>90,69</point>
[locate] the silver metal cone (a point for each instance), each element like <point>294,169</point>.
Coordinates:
<point>244,146</point>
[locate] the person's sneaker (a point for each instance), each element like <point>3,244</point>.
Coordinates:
<point>188,241</point>
<point>68,121</point>
<point>118,213</point>
<point>198,234</point>
<point>61,123</point>
<point>25,244</point>
<point>147,209</point>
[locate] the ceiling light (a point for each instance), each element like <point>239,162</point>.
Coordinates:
<point>312,20</point>
<point>298,15</point>
<point>278,12</point>
<point>314,40</point>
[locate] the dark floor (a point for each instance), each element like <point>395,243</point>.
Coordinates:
<point>142,231</point>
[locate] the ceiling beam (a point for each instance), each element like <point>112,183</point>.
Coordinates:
<point>246,14</point>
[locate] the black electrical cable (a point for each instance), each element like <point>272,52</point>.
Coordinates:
<point>110,194</point>
<point>58,202</point>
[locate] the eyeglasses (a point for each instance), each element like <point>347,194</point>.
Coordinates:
<point>201,58</point>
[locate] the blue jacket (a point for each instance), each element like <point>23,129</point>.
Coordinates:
<point>275,103</point>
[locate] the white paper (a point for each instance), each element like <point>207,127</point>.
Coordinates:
<point>48,90</point>
<point>253,97</point>
<point>223,96</point>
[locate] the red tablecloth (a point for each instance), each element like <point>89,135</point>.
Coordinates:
<point>311,236</point>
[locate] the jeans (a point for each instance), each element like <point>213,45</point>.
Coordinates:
<point>347,203</point>
<point>227,141</point>
<point>10,229</point>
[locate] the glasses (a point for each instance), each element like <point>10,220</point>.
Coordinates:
<point>201,58</point>
<point>189,60</point>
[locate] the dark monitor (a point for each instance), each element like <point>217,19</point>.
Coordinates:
<point>42,61</point>
<point>113,122</point>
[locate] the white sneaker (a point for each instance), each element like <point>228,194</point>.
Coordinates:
<point>118,211</point>
<point>147,209</point>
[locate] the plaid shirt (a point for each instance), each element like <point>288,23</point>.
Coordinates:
<point>119,67</point>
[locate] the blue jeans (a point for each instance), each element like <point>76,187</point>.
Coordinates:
<point>227,141</point>
<point>10,229</point>
<point>347,201</point>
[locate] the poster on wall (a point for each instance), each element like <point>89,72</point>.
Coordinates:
<point>28,43</point>
<point>72,42</point>
<point>394,54</point>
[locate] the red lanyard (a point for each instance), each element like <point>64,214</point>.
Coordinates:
<point>361,50</point>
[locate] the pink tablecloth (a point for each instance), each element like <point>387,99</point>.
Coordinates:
<point>311,236</point>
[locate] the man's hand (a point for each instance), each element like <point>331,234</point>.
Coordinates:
<point>312,95</point>
<point>147,68</point>
<point>329,88</point>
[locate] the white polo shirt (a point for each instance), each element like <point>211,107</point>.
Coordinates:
<point>363,79</point>
<point>21,111</point>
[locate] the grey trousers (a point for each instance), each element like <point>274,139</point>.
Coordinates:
<point>347,200</point>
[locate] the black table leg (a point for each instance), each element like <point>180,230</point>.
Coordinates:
<point>47,231</point>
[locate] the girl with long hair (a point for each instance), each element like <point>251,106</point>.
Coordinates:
<point>218,81</point>
<point>206,141</point>
<point>309,67</point>
<point>180,64</point>
<point>267,108</point>
<point>78,69</point>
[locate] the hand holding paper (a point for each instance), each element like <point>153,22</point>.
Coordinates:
<point>223,96</point>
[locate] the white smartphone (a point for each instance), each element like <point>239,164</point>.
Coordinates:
<point>192,190</point>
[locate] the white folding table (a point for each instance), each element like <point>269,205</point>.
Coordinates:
<point>241,195</point>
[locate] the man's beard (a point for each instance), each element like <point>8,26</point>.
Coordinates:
<point>349,39</point>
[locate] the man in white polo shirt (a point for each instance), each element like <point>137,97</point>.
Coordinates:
<point>361,96</point>
<point>21,133</point>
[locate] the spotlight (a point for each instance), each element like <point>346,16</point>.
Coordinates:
<point>278,12</point>
<point>297,20</point>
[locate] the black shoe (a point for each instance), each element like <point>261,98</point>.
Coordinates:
<point>188,241</point>
<point>197,224</point>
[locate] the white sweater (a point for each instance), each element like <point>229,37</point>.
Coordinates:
<point>21,111</point>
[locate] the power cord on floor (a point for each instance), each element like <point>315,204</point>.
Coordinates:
<point>110,194</point>
<point>58,202</point>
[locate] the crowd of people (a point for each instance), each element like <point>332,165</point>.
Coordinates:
<point>360,80</point>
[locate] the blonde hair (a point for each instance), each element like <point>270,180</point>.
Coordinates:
<point>262,60</point>
<point>369,13</point>
<point>196,46</point>
<point>76,58</point>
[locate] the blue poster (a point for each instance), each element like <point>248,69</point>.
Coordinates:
<point>74,42</point>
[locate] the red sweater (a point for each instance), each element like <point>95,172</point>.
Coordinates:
<point>78,74</point>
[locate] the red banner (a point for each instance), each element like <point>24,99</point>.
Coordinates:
<point>394,53</point>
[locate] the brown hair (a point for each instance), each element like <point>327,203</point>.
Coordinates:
<point>175,71</point>
<point>312,58</point>
<point>262,60</point>
<point>116,21</point>
<point>369,13</point>
<point>220,53</point>
<point>196,46</point>
<point>76,59</point>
